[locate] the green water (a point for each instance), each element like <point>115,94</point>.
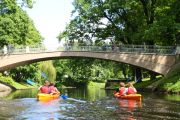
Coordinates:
<point>89,104</point>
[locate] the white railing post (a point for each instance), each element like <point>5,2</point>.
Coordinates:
<point>5,49</point>
<point>27,49</point>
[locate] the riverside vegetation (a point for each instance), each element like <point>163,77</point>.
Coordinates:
<point>152,22</point>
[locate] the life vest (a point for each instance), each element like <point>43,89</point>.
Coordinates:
<point>131,90</point>
<point>45,89</point>
<point>122,91</point>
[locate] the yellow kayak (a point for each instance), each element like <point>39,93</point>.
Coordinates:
<point>131,97</point>
<point>47,97</point>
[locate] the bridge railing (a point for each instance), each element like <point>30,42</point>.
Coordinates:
<point>146,49</point>
<point>124,48</point>
<point>22,50</point>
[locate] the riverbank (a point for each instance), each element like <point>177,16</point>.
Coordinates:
<point>4,90</point>
<point>11,84</point>
<point>169,84</point>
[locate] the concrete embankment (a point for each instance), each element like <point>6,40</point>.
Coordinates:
<point>4,90</point>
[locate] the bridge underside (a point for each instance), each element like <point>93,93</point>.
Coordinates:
<point>157,63</point>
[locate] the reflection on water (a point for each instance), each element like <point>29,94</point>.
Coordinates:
<point>129,106</point>
<point>30,93</point>
<point>89,93</point>
<point>99,105</point>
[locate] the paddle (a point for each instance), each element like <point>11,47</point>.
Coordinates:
<point>64,97</point>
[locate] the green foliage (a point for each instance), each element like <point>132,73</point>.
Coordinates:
<point>6,80</point>
<point>168,84</point>
<point>128,22</point>
<point>144,84</point>
<point>151,22</point>
<point>171,83</point>
<point>22,73</point>
<point>96,85</point>
<point>9,81</point>
<point>16,27</point>
<point>48,68</point>
<point>74,72</point>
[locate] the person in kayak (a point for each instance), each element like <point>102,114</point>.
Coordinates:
<point>45,88</point>
<point>53,89</point>
<point>131,89</point>
<point>122,90</point>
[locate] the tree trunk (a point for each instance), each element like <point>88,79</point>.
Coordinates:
<point>138,74</point>
<point>152,75</point>
<point>124,71</point>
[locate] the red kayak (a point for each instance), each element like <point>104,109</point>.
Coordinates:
<point>130,97</point>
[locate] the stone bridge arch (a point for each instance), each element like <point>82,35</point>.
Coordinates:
<point>157,63</point>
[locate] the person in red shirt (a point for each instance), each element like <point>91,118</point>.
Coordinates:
<point>131,89</point>
<point>45,88</point>
<point>53,89</point>
<point>122,90</point>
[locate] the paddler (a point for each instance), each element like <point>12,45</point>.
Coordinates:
<point>122,90</point>
<point>131,89</point>
<point>45,88</point>
<point>53,89</point>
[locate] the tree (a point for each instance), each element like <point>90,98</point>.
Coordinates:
<point>21,74</point>
<point>150,22</point>
<point>78,72</point>
<point>16,27</point>
<point>48,68</point>
<point>128,22</point>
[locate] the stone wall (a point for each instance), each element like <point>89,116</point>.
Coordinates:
<point>4,90</point>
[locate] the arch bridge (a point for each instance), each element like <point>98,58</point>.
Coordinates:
<point>159,59</point>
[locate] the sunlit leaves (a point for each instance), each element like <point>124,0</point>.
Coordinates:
<point>127,21</point>
<point>16,27</point>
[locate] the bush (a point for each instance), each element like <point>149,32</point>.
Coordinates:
<point>6,80</point>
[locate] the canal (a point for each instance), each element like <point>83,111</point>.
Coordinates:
<point>89,104</point>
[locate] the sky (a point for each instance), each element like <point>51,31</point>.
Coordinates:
<point>50,18</point>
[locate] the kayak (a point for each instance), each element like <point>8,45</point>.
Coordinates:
<point>31,82</point>
<point>131,97</point>
<point>47,97</point>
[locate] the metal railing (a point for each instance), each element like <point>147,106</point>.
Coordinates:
<point>146,49</point>
<point>124,49</point>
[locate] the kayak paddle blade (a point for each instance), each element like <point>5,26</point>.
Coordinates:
<point>64,97</point>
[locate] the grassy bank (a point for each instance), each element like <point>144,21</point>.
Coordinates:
<point>96,85</point>
<point>15,85</point>
<point>168,84</point>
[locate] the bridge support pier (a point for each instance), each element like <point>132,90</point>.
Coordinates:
<point>138,74</point>
<point>152,75</point>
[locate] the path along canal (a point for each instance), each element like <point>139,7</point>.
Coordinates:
<point>89,104</point>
